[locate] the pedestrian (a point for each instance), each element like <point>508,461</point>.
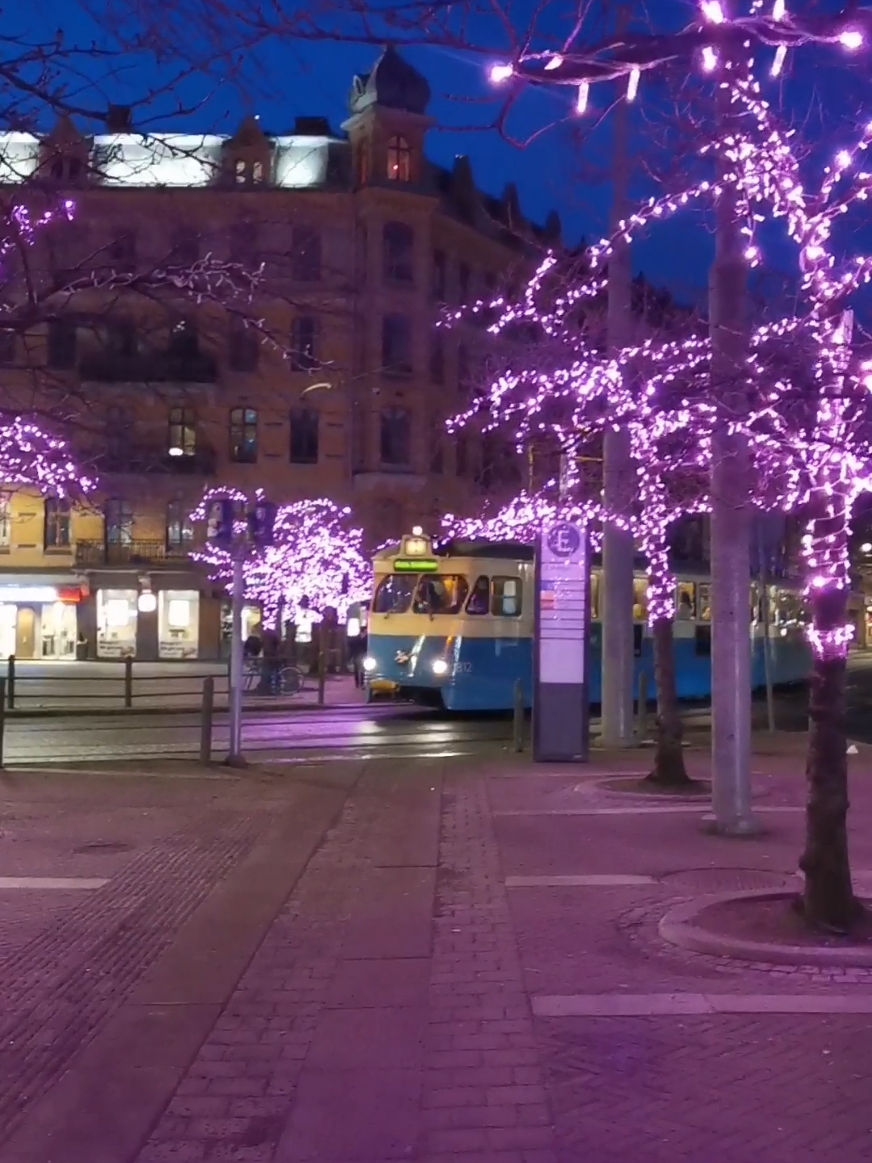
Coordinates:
<point>271,664</point>
<point>357,651</point>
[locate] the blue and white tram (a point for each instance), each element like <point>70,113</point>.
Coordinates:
<point>453,626</point>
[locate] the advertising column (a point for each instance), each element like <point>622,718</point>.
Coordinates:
<point>560,691</point>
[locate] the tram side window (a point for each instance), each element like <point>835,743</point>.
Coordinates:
<point>640,600</point>
<point>440,593</point>
<point>685,602</point>
<point>394,594</point>
<point>705,602</point>
<point>506,601</point>
<point>479,599</point>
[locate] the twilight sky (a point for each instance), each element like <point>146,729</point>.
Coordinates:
<point>823,95</point>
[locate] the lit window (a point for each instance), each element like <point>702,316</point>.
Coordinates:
<point>243,435</point>
<point>182,436</point>
<point>399,160</point>
<point>57,523</point>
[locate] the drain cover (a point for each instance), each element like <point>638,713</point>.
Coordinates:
<point>104,847</point>
<point>713,880</point>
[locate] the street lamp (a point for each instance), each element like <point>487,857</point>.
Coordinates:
<point>241,535</point>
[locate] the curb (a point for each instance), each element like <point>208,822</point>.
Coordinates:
<point>134,712</point>
<point>677,928</point>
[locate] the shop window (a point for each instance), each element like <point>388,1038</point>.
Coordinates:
<point>116,623</point>
<point>304,343</point>
<point>306,254</point>
<point>118,522</point>
<point>305,423</point>
<point>506,599</point>
<point>399,159</point>
<point>57,630</point>
<point>182,435</point>
<point>178,623</point>
<point>180,527</point>
<point>243,347</point>
<point>397,346</point>
<point>56,534</point>
<point>479,599</point>
<point>398,246</point>
<point>395,437</point>
<point>243,435</point>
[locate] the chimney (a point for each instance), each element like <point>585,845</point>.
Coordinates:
<point>118,119</point>
<point>312,127</point>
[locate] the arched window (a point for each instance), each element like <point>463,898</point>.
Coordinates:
<point>243,435</point>
<point>399,160</point>
<point>396,437</point>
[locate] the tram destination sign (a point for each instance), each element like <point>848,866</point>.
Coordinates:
<point>560,693</point>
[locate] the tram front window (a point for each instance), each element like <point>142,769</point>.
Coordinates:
<point>394,594</point>
<point>442,593</point>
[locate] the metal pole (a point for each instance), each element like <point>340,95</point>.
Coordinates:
<point>518,717</point>
<point>128,682</point>
<point>642,709</point>
<point>235,758</point>
<point>618,484</point>
<point>766,618</point>
<point>322,661</point>
<point>207,708</point>
<point>730,526</point>
<point>10,687</point>
<point>2,719</point>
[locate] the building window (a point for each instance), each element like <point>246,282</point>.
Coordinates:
<point>186,246</point>
<point>461,456</point>
<point>5,520</point>
<point>184,343</point>
<point>306,254</point>
<point>248,172</point>
<point>56,534</point>
<point>464,280</point>
<point>304,435</point>
<point>61,346</point>
<point>397,346</point>
<point>178,623</point>
<point>243,435</point>
<point>122,252</point>
<point>182,436</point>
<point>399,160</point>
<point>398,245</point>
<point>121,340</point>
<point>462,366</point>
<point>243,242</point>
<point>304,343</point>
<point>437,359</point>
<point>117,522</point>
<point>396,437</point>
<point>439,276</point>
<point>437,445</point>
<point>66,168</point>
<point>243,347</point>
<point>180,527</point>
<point>7,347</point>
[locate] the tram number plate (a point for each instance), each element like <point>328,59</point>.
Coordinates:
<point>463,668</point>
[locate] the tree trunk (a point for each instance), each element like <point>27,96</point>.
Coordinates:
<point>669,769</point>
<point>828,899</point>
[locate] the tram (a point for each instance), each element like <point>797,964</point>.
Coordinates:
<point>452,625</point>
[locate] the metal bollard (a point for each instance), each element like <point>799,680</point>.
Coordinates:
<point>10,683</point>
<point>322,670</point>
<point>128,681</point>
<point>2,718</point>
<point>207,711</point>
<point>642,710</point>
<point>518,717</point>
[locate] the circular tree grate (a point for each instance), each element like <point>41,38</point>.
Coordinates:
<point>715,880</point>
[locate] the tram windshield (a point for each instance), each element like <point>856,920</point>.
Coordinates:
<point>394,593</point>
<point>440,593</point>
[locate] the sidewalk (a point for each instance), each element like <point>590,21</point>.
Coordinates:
<point>431,964</point>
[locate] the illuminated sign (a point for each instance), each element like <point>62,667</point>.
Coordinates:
<point>416,565</point>
<point>417,546</point>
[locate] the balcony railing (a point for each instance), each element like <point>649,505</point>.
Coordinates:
<point>140,459</point>
<point>157,368</point>
<point>96,553</point>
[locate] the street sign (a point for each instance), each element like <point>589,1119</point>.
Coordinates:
<point>560,676</point>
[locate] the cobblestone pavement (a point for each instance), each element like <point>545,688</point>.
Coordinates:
<point>388,1010</point>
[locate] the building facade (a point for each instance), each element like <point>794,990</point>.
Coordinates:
<point>329,380</point>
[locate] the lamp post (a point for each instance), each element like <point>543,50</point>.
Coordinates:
<point>242,535</point>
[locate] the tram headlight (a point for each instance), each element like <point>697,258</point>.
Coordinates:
<point>369,664</point>
<point>440,667</point>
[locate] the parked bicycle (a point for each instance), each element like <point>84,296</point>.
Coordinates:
<point>288,680</point>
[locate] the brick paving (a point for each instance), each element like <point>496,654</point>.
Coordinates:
<point>387,1013</point>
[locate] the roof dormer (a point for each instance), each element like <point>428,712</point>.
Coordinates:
<point>247,159</point>
<point>65,153</point>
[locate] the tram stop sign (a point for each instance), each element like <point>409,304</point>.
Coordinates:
<point>561,716</point>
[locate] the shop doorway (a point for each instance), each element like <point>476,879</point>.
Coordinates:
<point>25,633</point>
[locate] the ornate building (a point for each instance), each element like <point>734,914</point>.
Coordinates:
<point>331,382</point>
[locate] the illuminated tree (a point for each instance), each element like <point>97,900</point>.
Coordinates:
<point>316,560</point>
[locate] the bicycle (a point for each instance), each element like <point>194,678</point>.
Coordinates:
<point>289,680</point>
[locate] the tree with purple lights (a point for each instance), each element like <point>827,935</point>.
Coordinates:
<point>805,421</point>
<point>316,560</point>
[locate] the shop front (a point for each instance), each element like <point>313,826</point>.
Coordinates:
<point>39,621</point>
<point>147,623</point>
